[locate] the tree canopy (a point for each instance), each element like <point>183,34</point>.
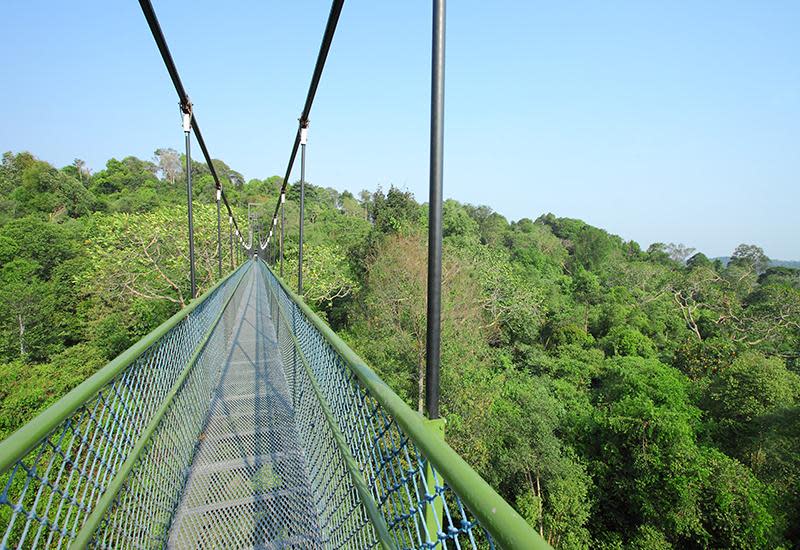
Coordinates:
<point>617,397</point>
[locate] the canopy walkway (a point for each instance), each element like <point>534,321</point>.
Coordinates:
<point>243,422</point>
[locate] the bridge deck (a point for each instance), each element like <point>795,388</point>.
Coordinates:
<point>248,485</point>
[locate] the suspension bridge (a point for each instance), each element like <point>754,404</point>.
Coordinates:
<point>244,421</point>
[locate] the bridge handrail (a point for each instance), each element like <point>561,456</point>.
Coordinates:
<point>63,466</point>
<point>22,441</point>
<point>504,524</point>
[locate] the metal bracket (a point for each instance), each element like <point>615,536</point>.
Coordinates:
<point>186,109</point>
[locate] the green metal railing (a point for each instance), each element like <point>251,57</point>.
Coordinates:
<point>104,464</point>
<point>414,489</point>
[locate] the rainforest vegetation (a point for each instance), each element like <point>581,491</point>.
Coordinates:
<point>618,397</point>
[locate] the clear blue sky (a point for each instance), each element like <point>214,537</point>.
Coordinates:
<point>672,121</point>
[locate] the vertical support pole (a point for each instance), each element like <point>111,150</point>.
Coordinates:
<point>434,507</point>
<point>187,124</point>
<point>434,501</point>
<point>283,223</point>
<point>433,335</point>
<point>219,235</point>
<point>294,356</point>
<point>230,239</point>
<point>303,141</point>
<point>274,241</point>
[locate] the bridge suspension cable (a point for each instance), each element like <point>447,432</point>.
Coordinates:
<point>301,137</point>
<point>190,123</point>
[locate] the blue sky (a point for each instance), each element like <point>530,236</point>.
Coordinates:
<point>671,121</point>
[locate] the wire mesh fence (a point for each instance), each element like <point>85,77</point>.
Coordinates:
<point>51,490</point>
<point>343,519</point>
<point>417,506</point>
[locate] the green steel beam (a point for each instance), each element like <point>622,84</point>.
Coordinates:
<point>364,493</point>
<point>91,524</point>
<point>505,525</point>
<point>18,444</point>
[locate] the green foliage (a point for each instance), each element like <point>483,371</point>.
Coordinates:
<point>618,398</point>
<point>393,212</point>
<point>550,486</point>
<point>644,426</point>
<point>733,504</point>
<point>456,221</point>
<point>751,256</point>
<point>128,174</point>
<point>699,359</point>
<point>143,256</point>
<point>752,387</point>
<point>326,273</point>
<point>26,389</point>
<point>44,189</point>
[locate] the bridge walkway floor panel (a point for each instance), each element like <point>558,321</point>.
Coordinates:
<point>248,485</point>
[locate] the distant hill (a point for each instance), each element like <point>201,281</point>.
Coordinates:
<point>794,264</point>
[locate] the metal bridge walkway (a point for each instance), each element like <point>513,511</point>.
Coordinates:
<point>243,421</point>
<point>248,486</point>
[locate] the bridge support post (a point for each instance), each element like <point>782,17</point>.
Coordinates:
<point>274,238</point>
<point>219,235</point>
<point>433,335</point>
<point>303,141</point>
<point>230,239</point>
<point>434,509</point>
<point>187,124</point>
<point>283,223</point>
<point>294,358</point>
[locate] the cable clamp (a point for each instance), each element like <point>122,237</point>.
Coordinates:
<point>303,132</point>
<point>219,194</point>
<point>283,198</point>
<point>230,220</point>
<point>186,109</point>
<point>274,222</point>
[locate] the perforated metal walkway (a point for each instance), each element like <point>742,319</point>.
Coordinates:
<point>248,485</point>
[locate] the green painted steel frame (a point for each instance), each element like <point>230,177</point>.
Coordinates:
<point>505,525</point>
<point>18,444</point>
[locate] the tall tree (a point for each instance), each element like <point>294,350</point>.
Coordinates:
<point>169,163</point>
<point>80,167</point>
<point>751,256</point>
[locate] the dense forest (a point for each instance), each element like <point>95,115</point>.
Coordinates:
<point>617,397</point>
